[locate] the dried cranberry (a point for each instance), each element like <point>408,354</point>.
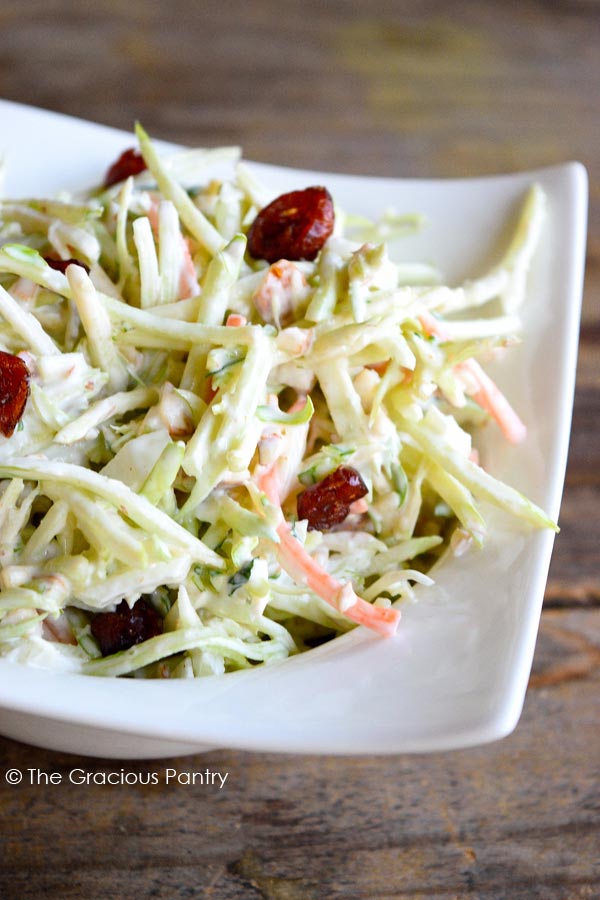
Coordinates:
<point>61,264</point>
<point>14,391</point>
<point>293,226</point>
<point>125,627</point>
<point>327,503</point>
<point>129,163</point>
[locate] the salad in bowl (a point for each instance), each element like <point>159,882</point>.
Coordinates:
<point>232,426</point>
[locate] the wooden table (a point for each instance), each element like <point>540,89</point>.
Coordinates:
<point>390,88</point>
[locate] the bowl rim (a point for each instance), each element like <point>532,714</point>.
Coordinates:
<point>42,693</point>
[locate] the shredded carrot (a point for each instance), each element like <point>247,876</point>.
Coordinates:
<point>480,387</point>
<point>235,320</point>
<point>431,325</point>
<point>188,278</point>
<point>304,569</point>
<point>483,390</point>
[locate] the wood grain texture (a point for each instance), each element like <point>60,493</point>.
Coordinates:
<point>394,88</point>
<point>518,819</point>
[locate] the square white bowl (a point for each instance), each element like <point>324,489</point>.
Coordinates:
<point>456,673</point>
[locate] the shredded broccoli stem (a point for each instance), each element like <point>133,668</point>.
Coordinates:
<point>183,393</point>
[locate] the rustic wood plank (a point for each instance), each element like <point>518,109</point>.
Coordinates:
<point>518,818</point>
<point>573,574</point>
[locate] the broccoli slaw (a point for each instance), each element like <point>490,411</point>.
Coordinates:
<point>183,393</point>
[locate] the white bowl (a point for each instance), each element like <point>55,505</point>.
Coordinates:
<point>456,673</point>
